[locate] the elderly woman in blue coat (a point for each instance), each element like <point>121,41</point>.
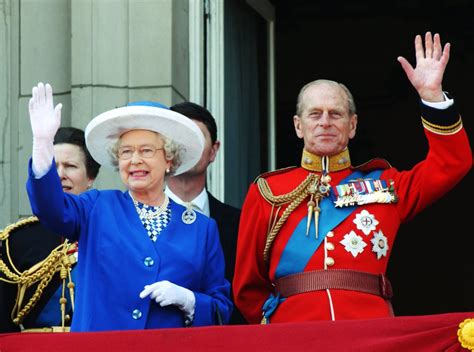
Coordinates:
<point>144,262</point>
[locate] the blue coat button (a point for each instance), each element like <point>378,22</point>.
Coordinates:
<point>136,314</point>
<point>148,261</point>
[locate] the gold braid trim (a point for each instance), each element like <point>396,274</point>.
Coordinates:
<point>4,237</point>
<point>438,129</point>
<point>296,196</point>
<point>42,273</point>
<point>6,231</point>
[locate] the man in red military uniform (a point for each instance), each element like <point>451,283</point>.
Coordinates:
<point>314,241</point>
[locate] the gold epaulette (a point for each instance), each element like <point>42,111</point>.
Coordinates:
<point>20,223</point>
<point>4,234</point>
<point>274,172</point>
<point>60,260</point>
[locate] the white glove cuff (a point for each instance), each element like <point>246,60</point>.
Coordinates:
<point>42,156</point>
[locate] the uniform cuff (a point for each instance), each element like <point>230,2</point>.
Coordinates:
<point>445,121</point>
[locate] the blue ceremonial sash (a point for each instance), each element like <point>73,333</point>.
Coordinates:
<point>300,248</point>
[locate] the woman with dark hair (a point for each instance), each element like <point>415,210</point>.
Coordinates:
<point>73,139</point>
<point>31,284</point>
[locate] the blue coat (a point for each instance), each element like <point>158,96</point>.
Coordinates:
<point>117,258</point>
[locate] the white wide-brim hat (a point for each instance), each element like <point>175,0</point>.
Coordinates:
<point>104,130</point>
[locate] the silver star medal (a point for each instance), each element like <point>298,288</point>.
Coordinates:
<point>188,216</point>
<point>380,245</point>
<point>365,222</point>
<point>353,243</point>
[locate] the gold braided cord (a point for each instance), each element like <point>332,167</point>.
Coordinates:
<point>58,261</point>
<point>296,196</point>
<point>271,236</point>
<point>8,273</point>
<point>19,312</point>
<point>266,192</point>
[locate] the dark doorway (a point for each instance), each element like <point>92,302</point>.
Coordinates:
<point>357,43</point>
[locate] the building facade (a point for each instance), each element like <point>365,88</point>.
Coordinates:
<point>102,54</point>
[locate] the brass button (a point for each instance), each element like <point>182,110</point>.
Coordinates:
<point>330,234</point>
<point>329,246</point>
<point>329,261</point>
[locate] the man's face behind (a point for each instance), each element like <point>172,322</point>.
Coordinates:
<point>209,153</point>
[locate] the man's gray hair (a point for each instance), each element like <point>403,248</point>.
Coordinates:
<point>350,98</point>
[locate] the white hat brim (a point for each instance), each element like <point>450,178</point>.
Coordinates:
<point>103,132</point>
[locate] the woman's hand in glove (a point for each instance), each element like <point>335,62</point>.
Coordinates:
<point>44,117</point>
<point>166,293</point>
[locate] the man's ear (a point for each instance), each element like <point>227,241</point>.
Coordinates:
<point>353,122</point>
<point>297,123</point>
<point>214,149</point>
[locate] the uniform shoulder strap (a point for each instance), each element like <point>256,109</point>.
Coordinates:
<point>275,172</point>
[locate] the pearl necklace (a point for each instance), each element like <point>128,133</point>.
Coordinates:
<point>153,218</point>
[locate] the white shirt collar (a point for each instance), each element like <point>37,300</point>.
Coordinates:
<point>200,203</point>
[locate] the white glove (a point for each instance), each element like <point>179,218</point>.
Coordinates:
<point>166,293</point>
<point>45,121</point>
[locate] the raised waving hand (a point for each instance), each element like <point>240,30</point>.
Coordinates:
<point>45,119</point>
<point>431,60</point>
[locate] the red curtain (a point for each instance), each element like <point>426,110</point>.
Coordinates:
<point>412,333</point>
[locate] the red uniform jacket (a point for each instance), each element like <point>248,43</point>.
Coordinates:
<point>449,158</point>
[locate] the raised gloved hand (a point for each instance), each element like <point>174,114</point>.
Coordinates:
<point>45,120</point>
<point>166,293</point>
<point>44,117</point>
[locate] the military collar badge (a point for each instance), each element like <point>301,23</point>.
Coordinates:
<point>315,163</point>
